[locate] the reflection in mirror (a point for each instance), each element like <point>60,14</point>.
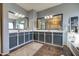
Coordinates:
<point>41,24</point>
<point>17,23</point>
<point>52,23</point>
<point>55,23</point>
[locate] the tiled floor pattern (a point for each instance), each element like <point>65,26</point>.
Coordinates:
<point>27,50</point>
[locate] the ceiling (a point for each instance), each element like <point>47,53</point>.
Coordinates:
<point>37,6</point>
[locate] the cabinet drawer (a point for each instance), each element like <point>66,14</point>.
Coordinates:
<point>26,33</point>
<point>48,33</point>
<point>21,33</point>
<point>58,34</point>
<point>12,34</point>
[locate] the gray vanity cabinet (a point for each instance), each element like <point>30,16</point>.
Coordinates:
<point>48,37</point>
<point>41,36</point>
<point>35,36</point>
<point>12,40</point>
<point>21,37</point>
<point>57,38</point>
<point>26,36</point>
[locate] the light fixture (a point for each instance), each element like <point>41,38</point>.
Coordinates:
<point>50,16</point>
<point>23,16</point>
<point>19,15</point>
<point>16,14</point>
<point>45,17</point>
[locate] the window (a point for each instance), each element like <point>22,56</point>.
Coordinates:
<point>10,25</point>
<point>21,26</point>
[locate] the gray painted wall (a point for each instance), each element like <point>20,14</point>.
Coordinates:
<point>16,8</point>
<point>32,19</point>
<point>68,10</point>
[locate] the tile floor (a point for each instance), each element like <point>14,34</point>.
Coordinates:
<point>27,50</point>
<point>37,49</point>
<point>49,50</point>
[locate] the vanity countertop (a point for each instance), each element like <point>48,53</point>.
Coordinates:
<point>16,31</point>
<point>48,30</point>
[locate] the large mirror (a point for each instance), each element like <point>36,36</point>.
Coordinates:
<point>54,23</point>
<point>41,24</point>
<point>17,22</point>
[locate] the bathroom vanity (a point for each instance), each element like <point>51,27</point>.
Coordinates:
<point>48,31</point>
<point>53,37</point>
<point>17,39</point>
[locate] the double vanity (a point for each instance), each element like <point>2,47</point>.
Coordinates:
<point>52,37</point>
<point>19,38</point>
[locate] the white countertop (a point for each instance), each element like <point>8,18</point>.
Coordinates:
<point>48,30</point>
<point>16,31</point>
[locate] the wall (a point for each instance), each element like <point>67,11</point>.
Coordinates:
<point>32,19</point>
<point>6,8</point>
<point>16,8</point>
<point>68,10</point>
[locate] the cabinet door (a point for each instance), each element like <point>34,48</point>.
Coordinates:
<point>31,35</point>
<point>35,35</point>
<point>57,38</point>
<point>26,36</point>
<point>12,40</point>
<point>21,38</point>
<point>41,36</point>
<point>48,37</point>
